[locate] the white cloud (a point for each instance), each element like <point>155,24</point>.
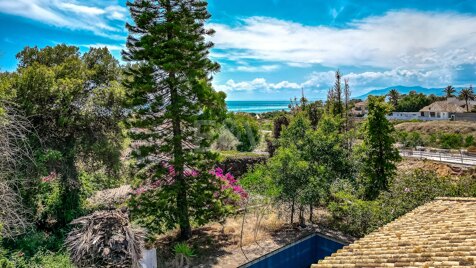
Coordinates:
<point>406,47</point>
<point>81,9</point>
<point>399,39</point>
<point>255,69</point>
<point>94,16</point>
<point>256,84</point>
<point>359,82</point>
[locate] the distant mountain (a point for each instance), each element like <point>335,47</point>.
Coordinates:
<point>403,90</point>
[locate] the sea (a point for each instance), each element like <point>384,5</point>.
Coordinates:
<point>257,106</point>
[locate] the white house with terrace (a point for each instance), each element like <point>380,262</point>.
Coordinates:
<point>438,110</point>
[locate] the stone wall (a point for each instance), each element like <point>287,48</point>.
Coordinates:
<point>239,165</point>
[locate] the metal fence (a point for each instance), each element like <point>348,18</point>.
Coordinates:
<point>447,157</point>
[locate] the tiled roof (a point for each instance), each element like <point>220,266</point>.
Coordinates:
<point>441,233</point>
<point>444,106</point>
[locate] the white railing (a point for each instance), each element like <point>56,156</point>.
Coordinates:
<point>447,157</point>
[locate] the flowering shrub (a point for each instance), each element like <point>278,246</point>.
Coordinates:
<point>226,181</point>
<point>229,183</point>
<point>215,196</point>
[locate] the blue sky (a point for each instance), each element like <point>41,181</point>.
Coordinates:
<point>270,49</point>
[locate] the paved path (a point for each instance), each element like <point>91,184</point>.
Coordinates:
<point>452,158</point>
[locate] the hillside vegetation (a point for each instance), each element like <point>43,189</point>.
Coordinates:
<point>433,127</point>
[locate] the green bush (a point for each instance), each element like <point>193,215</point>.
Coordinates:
<point>469,141</point>
<point>246,130</point>
<point>354,216</point>
<point>410,139</point>
<point>42,259</point>
<point>451,140</point>
<point>226,141</point>
<point>407,191</point>
<point>410,190</point>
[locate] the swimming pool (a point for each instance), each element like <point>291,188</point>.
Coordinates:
<point>300,254</point>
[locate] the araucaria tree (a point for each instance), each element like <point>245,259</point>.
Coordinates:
<point>380,155</point>
<point>338,107</point>
<point>172,107</point>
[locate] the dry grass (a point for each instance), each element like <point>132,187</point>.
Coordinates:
<point>432,127</point>
<point>218,245</point>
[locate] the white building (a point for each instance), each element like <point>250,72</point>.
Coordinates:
<point>444,109</point>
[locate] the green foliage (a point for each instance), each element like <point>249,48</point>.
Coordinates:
<point>295,133</point>
<point>305,165</point>
<point>469,141</point>
<point>354,216</point>
<point>290,172</point>
<point>173,103</point>
<point>449,91</point>
<point>379,155</point>
<point>410,139</point>
<point>406,192</point>
<point>393,97</point>
<point>315,111</point>
<point>451,140</point>
<point>279,123</point>
<point>246,130</point>
<point>75,105</point>
<point>42,259</point>
<point>184,249</point>
<point>439,140</point>
<point>34,249</point>
<point>467,94</point>
<point>6,90</point>
<point>412,102</point>
<point>260,181</point>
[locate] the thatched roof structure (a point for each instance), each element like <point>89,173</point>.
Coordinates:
<point>105,239</point>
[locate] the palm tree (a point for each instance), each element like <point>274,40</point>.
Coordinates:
<point>393,97</point>
<point>467,94</point>
<point>449,90</point>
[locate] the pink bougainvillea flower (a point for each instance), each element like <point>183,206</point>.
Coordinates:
<point>52,176</point>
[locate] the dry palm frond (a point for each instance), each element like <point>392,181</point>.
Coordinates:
<point>105,239</point>
<point>110,198</point>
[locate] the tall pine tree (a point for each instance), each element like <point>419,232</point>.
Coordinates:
<point>172,104</point>
<point>379,155</point>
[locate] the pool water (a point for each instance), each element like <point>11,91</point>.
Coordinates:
<point>300,254</point>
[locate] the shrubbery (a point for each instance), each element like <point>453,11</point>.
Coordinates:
<point>407,191</point>
<point>226,141</point>
<point>246,130</point>
<point>413,139</point>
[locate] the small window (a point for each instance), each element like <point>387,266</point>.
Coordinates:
<point>422,114</point>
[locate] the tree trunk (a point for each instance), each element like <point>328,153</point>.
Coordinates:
<point>181,184</point>
<point>70,191</point>
<point>292,212</point>
<point>302,221</point>
<point>178,154</point>
<point>310,213</point>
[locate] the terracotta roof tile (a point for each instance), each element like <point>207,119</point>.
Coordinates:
<point>441,233</point>
<point>444,106</point>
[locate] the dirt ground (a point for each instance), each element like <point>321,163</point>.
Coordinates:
<point>217,245</point>
<point>442,169</point>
